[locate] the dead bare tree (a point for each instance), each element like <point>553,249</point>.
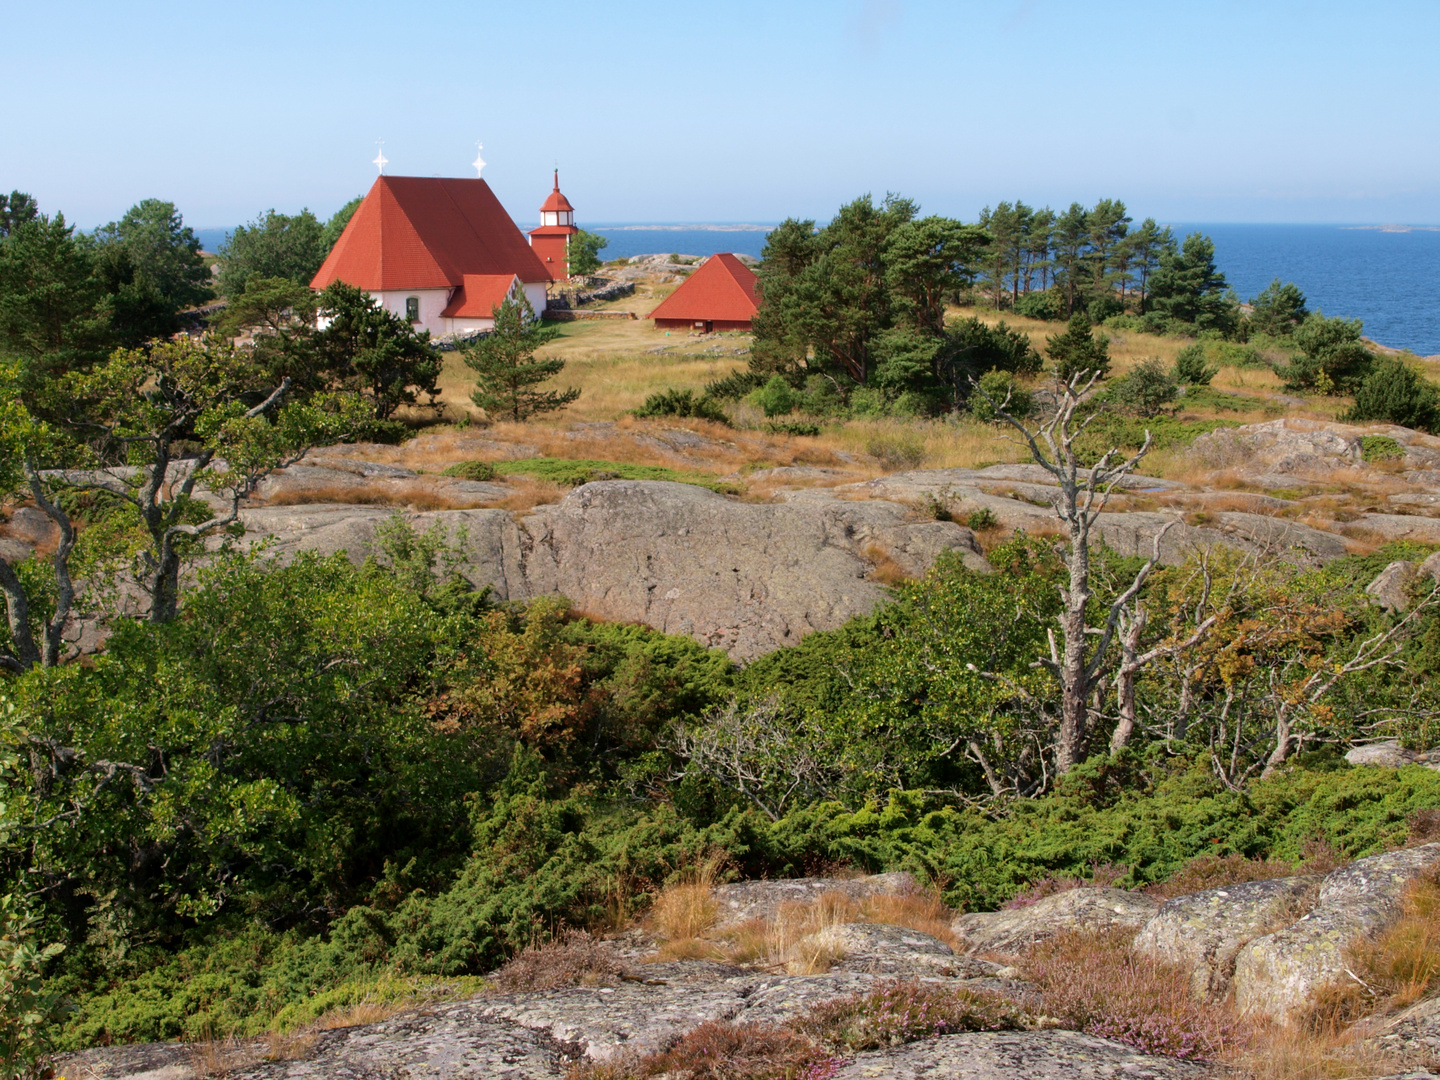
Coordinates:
<point>1081,494</point>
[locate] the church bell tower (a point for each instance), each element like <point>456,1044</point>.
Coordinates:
<point>551,240</point>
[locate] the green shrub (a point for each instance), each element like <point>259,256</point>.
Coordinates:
<point>1395,393</point>
<point>734,387</point>
<point>1133,323</point>
<point>1191,368</point>
<point>1157,322</point>
<point>776,398</point>
<point>1380,448</point>
<point>1040,305</point>
<point>1147,390</point>
<point>1332,358</point>
<point>1113,429</point>
<point>470,470</point>
<point>982,519</point>
<point>683,403</point>
<point>1104,307</point>
<point>572,472</point>
<point>974,346</point>
<point>999,388</point>
<point>793,427</point>
<point>1233,354</point>
<point>28,1006</point>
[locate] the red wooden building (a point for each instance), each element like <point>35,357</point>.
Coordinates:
<point>551,241</point>
<point>721,295</point>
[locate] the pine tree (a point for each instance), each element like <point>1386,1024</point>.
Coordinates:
<point>507,373</point>
<point>1078,352</point>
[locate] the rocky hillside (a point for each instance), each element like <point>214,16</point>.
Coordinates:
<point>792,549</point>
<point>614,1008</point>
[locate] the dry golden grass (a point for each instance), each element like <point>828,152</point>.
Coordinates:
<point>359,1014</point>
<point>884,568</point>
<point>1293,1053</point>
<point>684,916</point>
<point>528,494</point>
<point>213,1057</point>
<point>684,912</point>
<point>289,1045</point>
<point>416,495</point>
<point>920,444</point>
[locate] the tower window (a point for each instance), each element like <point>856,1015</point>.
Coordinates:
<point>412,308</point>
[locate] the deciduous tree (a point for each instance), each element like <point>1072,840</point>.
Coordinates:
<point>162,252</point>
<point>583,252</point>
<point>177,416</point>
<point>274,245</point>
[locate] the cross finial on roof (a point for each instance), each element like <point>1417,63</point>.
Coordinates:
<point>557,178</point>
<point>479,161</point>
<point>380,159</point>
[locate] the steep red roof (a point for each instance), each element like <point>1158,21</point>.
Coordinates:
<point>478,296</point>
<point>418,232</point>
<point>723,288</point>
<point>556,201</point>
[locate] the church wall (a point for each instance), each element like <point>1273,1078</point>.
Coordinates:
<point>535,293</point>
<point>432,303</point>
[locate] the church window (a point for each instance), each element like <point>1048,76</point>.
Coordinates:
<point>412,308</point>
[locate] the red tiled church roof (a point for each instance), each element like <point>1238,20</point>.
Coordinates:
<point>478,296</point>
<point>723,288</point>
<point>417,232</point>
<point>556,201</point>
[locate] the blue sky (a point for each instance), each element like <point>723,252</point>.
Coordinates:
<point>733,111</point>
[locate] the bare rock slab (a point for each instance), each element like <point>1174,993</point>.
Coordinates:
<point>893,951</point>
<point>1278,972</point>
<point>1206,930</point>
<point>446,1043</point>
<point>1016,1055</point>
<point>743,577</point>
<point>741,901</point>
<point>1011,931</point>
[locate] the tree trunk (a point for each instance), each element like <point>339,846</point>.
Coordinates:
<point>1125,682</point>
<point>17,610</point>
<point>1074,681</point>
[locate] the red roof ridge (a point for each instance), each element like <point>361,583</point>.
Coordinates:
<point>414,232</point>
<point>721,289</point>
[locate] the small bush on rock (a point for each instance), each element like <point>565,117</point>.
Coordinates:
<point>1092,979</point>
<point>575,959</point>
<point>470,470</point>
<point>904,1011</point>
